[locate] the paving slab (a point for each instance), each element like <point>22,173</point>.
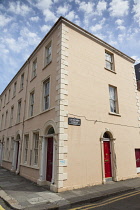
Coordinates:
<point>21,193</point>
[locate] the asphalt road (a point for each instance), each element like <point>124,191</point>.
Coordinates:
<point>3,206</point>
<point>127,201</point>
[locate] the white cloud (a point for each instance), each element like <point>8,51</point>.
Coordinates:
<point>121,37</point>
<point>19,8</point>
<point>95,28</point>
<point>101,6</point>
<point>119,22</point>
<point>49,15</point>
<point>35,19</point>
<point>86,7</point>
<point>70,16</point>
<point>119,8</point>
<point>62,10</point>
<point>45,28</point>
<point>98,26</point>
<point>4,20</point>
<point>121,27</point>
<point>113,43</point>
<point>43,4</point>
<point>136,10</point>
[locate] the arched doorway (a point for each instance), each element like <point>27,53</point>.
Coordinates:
<point>50,154</point>
<point>107,155</point>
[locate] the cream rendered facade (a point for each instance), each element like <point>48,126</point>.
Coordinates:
<point>79,88</point>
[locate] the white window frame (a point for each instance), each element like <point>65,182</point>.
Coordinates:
<point>12,149</point>
<point>34,68</point>
<point>48,53</point>
<point>6,116</point>
<point>14,89</point>
<point>31,103</point>
<point>113,100</point>
<point>19,111</point>
<point>26,147</point>
<point>22,81</point>
<point>4,99</point>
<point>46,95</point>
<point>36,148</point>
<point>12,115</point>
<point>2,121</point>
<point>7,149</point>
<point>109,61</point>
<point>9,93</point>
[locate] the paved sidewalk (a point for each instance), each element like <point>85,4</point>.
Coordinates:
<point>21,193</point>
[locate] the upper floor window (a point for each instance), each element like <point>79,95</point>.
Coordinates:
<point>22,81</point>
<point>12,114</point>
<point>2,119</point>
<point>109,61</point>
<point>46,92</point>
<point>113,99</point>
<point>9,95</point>
<point>34,68</point>
<point>14,90</point>
<point>6,116</point>
<point>31,108</point>
<point>19,112</point>
<point>48,54</point>
<point>0,103</point>
<point>4,100</point>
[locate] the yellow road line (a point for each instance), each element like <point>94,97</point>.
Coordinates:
<point>93,207</point>
<point>1,208</point>
<point>120,196</point>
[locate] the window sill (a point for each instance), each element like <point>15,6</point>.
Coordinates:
<point>17,123</point>
<point>14,96</point>
<point>115,114</point>
<point>33,78</point>
<point>28,166</point>
<point>47,65</point>
<point>20,90</point>
<point>110,70</point>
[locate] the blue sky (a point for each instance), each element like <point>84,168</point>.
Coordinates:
<point>23,24</point>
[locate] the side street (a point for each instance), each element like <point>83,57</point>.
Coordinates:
<point>21,193</point>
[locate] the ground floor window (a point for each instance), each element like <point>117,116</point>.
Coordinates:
<point>36,148</point>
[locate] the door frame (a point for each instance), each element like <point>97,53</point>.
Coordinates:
<point>53,159</point>
<point>113,156</point>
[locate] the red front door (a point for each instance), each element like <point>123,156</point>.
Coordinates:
<point>49,159</point>
<point>137,154</point>
<point>107,159</point>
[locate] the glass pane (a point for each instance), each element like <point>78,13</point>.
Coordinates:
<point>112,93</point>
<point>51,131</point>
<point>46,88</point>
<point>108,65</point>
<point>113,106</point>
<point>108,57</point>
<point>46,102</point>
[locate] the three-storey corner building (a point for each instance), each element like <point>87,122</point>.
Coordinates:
<point>69,117</point>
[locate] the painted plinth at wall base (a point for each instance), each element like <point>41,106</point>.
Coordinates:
<point>108,179</point>
<point>138,170</point>
<point>51,186</point>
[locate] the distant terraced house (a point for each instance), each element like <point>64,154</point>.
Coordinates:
<point>70,117</point>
